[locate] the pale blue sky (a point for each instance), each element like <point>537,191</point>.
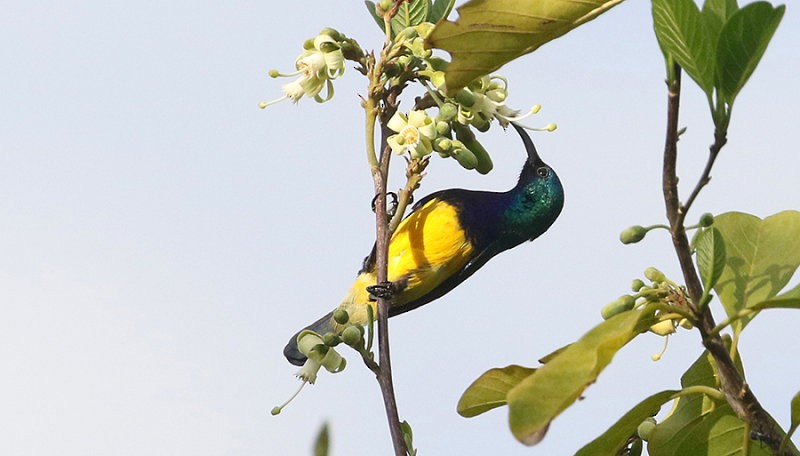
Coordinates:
<point>163,237</point>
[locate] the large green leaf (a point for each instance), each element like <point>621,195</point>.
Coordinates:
<point>490,389</point>
<point>761,257</point>
<point>543,395</point>
<point>682,33</point>
<point>742,43</point>
<point>491,33</point>
<point>616,437</point>
<point>718,432</point>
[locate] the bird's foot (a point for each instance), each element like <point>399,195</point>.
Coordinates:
<point>390,211</point>
<point>385,290</point>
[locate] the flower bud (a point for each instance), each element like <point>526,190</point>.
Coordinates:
<point>341,316</point>
<point>646,428</point>
<point>352,335</point>
<point>465,158</point>
<point>465,98</point>
<point>655,275</point>
<point>443,145</point>
<point>663,328</point>
<point>619,305</point>
<point>637,285</point>
<point>442,127</point>
<point>333,33</point>
<point>447,112</point>
<point>331,339</point>
<point>633,234</point>
<point>706,219</point>
<point>274,73</point>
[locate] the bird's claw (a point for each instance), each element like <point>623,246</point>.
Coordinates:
<point>383,290</point>
<point>390,211</point>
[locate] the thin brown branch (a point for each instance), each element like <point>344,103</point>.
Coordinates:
<point>738,394</point>
<point>720,139</point>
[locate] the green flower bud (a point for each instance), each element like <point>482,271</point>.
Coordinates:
<point>465,158</point>
<point>385,4</point>
<point>352,336</point>
<point>633,234</point>
<point>331,339</point>
<point>443,145</point>
<point>341,316</point>
<point>706,219</point>
<point>465,98</point>
<point>308,44</point>
<point>447,112</point>
<point>442,128</point>
<point>619,305</point>
<point>274,73</point>
<point>655,275</point>
<point>637,285</point>
<point>646,428</point>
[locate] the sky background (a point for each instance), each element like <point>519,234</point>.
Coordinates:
<point>162,237</point>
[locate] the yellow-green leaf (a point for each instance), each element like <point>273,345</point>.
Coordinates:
<point>543,395</point>
<point>491,33</point>
<point>761,257</point>
<point>616,437</point>
<point>490,389</point>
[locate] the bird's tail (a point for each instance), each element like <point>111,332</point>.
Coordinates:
<point>321,326</point>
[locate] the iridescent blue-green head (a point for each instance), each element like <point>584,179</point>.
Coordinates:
<point>536,201</point>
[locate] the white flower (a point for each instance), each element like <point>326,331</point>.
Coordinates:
<point>414,133</point>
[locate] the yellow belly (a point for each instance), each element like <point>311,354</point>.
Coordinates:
<point>428,247</point>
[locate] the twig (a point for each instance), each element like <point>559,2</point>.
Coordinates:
<point>737,392</point>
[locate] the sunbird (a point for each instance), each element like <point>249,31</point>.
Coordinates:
<point>447,236</point>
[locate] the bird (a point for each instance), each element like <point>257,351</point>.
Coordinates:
<point>447,237</point>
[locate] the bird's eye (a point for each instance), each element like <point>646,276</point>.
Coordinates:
<point>542,171</point>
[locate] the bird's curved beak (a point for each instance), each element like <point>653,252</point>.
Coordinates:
<point>533,156</point>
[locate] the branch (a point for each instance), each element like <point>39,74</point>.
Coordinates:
<point>737,392</point>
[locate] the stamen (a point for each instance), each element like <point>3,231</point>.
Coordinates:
<point>278,409</point>
<point>264,104</point>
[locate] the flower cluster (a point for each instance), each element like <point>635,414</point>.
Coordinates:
<point>321,62</point>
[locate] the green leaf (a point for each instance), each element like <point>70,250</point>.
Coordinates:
<point>720,9</point>
<point>543,395</point>
<point>440,10</point>
<point>761,257</point>
<point>490,389</point>
<point>742,43</point>
<point>616,437</point>
<point>490,33</point>
<point>788,300</point>
<point>683,34</point>
<point>378,18</point>
<point>322,442</point>
<point>718,432</point>
<point>409,14</point>
<point>710,256</point>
